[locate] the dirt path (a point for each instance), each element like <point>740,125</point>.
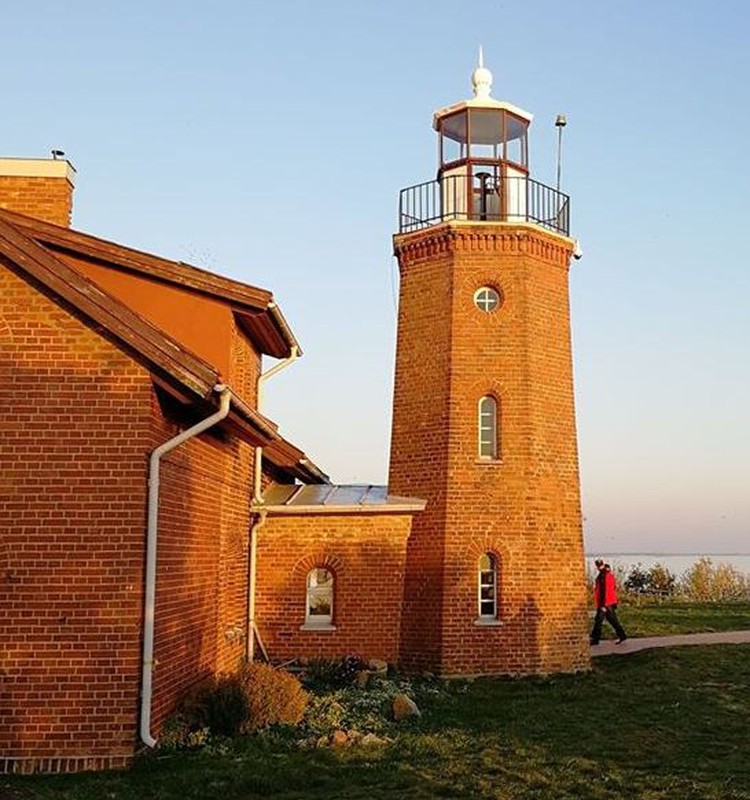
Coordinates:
<point>609,648</point>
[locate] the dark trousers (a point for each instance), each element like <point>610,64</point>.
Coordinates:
<point>610,614</point>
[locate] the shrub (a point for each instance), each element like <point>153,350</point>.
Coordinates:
<point>657,580</point>
<point>272,696</point>
<point>330,673</point>
<point>175,734</point>
<point>704,581</point>
<point>217,704</point>
<point>661,580</point>
<point>637,580</point>
<point>366,711</point>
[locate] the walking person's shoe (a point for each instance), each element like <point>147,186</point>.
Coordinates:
<point>622,638</point>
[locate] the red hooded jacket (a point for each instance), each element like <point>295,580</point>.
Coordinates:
<point>605,592</point>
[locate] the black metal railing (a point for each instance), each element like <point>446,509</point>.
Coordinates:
<point>483,197</point>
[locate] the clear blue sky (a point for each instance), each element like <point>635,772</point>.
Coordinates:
<point>268,142</point>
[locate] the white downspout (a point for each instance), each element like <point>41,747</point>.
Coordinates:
<point>259,523</point>
<point>151,538</point>
<point>258,500</point>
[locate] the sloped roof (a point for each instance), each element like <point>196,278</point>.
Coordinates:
<point>180,371</point>
<point>330,499</point>
<point>256,311</point>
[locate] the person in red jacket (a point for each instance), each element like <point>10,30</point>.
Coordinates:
<point>605,599</point>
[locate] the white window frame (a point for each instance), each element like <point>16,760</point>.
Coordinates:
<point>487,299</point>
<point>484,618</point>
<point>319,621</point>
<point>487,428</point>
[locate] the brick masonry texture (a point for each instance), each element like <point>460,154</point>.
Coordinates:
<point>78,420</point>
<point>523,508</point>
<point>48,199</point>
<point>366,554</point>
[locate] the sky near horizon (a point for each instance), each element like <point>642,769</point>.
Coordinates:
<point>268,142</point>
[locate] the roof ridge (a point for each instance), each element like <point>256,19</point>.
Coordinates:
<point>129,258</point>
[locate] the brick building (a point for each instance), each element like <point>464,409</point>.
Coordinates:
<point>157,528</point>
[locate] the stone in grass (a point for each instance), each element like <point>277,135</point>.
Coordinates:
<point>377,666</point>
<point>403,707</point>
<point>339,738</point>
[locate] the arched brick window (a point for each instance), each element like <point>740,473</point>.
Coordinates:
<point>487,577</point>
<point>319,606</point>
<point>487,424</point>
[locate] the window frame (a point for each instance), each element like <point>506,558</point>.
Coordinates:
<point>488,291</point>
<point>482,617</point>
<point>319,621</point>
<point>493,438</point>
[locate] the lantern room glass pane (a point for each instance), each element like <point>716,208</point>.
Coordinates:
<point>516,133</point>
<point>486,134</point>
<point>451,150</point>
<point>454,126</point>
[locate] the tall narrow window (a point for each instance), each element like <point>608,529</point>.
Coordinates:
<point>488,448</point>
<point>487,586</point>
<point>319,597</point>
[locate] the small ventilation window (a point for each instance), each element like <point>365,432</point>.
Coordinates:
<point>487,299</point>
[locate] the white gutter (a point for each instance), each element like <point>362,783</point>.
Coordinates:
<point>258,500</point>
<point>225,397</point>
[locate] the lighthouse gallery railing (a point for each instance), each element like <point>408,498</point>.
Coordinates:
<point>483,198</point>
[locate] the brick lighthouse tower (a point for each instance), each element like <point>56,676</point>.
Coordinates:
<point>483,420</point>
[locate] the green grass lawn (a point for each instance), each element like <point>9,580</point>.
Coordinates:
<point>669,724</point>
<point>664,618</point>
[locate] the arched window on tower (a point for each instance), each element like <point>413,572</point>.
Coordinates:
<point>319,610</point>
<point>489,449</point>
<point>487,587</point>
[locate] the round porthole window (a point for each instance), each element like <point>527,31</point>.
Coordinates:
<point>487,299</point>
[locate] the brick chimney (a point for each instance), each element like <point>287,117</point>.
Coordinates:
<point>38,187</point>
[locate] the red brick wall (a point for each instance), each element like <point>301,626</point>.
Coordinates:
<point>73,432</point>
<point>366,554</point>
<point>525,507</point>
<point>201,597</point>
<point>78,420</point>
<point>245,365</point>
<point>48,199</point>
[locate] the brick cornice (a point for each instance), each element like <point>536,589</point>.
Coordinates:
<point>485,237</point>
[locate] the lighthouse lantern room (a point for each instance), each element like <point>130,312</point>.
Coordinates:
<point>483,172</point>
